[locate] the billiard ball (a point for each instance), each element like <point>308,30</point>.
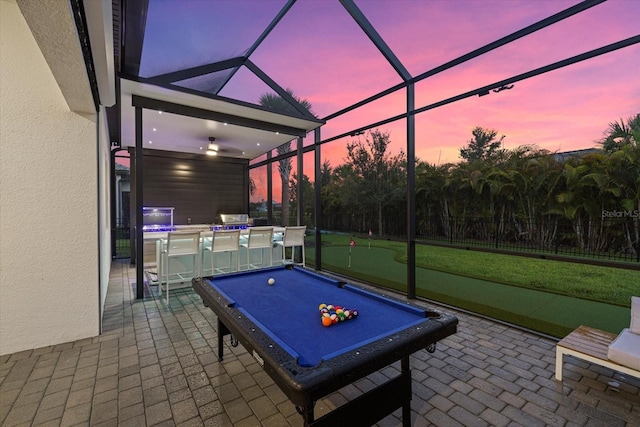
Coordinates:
<point>321,306</point>
<point>271,281</point>
<point>326,321</point>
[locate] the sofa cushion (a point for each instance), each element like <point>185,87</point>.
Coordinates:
<point>635,315</point>
<point>625,349</point>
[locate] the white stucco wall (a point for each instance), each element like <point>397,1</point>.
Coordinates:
<point>48,201</point>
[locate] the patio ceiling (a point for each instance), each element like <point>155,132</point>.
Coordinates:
<point>240,131</point>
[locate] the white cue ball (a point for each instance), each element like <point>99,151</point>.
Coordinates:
<point>271,281</point>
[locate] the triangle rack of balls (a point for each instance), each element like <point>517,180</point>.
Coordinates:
<point>333,314</point>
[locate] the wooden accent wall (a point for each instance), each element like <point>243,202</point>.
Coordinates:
<point>199,187</point>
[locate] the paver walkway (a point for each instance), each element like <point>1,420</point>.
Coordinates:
<point>155,365</point>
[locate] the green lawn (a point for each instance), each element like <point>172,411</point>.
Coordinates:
<point>604,284</point>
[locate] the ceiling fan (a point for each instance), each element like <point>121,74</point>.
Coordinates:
<point>213,149</point>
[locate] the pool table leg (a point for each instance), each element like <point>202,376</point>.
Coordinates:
<point>307,414</point>
<point>370,407</point>
<point>222,331</point>
<point>406,407</point>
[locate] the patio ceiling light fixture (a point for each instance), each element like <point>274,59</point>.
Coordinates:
<point>212,149</point>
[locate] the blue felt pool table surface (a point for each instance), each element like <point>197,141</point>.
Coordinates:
<point>288,311</point>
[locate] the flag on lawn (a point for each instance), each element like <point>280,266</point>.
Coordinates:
<point>352,243</point>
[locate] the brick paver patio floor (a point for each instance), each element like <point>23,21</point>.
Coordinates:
<point>156,366</point>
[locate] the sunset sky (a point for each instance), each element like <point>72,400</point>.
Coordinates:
<point>319,52</point>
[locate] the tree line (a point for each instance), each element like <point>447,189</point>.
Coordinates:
<point>526,193</point>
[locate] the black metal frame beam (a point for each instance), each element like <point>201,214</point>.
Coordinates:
<point>270,27</point>
<point>269,188</point>
<point>134,23</point>
<point>200,70</point>
<point>299,178</point>
<point>318,198</point>
<point>278,89</point>
<point>484,89</point>
<point>411,194</point>
<point>262,37</point>
<point>580,7</point>
<point>279,157</point>
<point>375,38</point>
<point>139,160</point>
<point>200,113</point>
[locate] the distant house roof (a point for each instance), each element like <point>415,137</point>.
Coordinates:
<point>122,171</point>
<point>122,168</point>
<point>566,155</point>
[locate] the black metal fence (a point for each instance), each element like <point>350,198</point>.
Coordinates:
<point>611,238</point>
<point>392,225</point>
<point>608,238</point>
<point>121,235</point>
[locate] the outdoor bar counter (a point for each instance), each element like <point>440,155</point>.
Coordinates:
<point>155,241</point>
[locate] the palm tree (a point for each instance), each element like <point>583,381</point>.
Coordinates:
<point>280,105</point>
<point>624,168</point>
<point>532,175</point>
<point>620,134</point>
<point>621,142</point>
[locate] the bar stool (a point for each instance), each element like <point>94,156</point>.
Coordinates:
<point>293,237</point>
<point>223,241</point>
<point>180,244</point>
<point>259,238</point>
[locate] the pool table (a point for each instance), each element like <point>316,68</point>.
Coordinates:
<point>280,326</point>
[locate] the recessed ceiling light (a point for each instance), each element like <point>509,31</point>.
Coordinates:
<point>150,142</point>
<point>277,133</point>
<point>159,112</point>
<point>258,144</point>
<point>225,124</point>
<point>154,129</point>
